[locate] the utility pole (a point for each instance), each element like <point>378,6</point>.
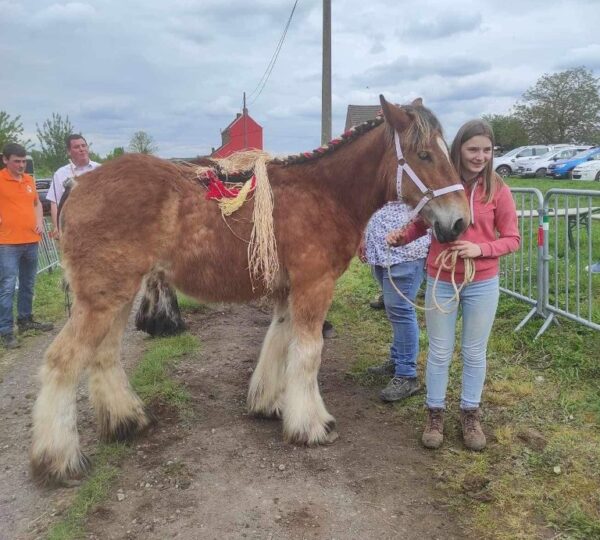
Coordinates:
<point>245,114</point>
<point>326,83</point>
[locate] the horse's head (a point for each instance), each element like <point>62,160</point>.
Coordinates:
<point>428,181</point>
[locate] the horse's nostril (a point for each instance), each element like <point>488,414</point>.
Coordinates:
<point>459,226</point>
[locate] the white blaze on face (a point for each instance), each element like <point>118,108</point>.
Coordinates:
<point>443,146</point>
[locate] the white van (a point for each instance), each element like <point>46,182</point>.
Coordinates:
<point>537,165</point>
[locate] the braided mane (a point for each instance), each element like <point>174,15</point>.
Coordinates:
<point>417,135</point>
<point>350,135</point>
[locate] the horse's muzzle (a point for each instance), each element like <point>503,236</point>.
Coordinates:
<point>449,233</point>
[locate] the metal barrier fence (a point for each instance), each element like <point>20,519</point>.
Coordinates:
<point>519,275</point>
<point>47,252</point>
<point>560,235</point>
<point>569,248</point>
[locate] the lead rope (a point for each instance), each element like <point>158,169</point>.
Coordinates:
<point>446,260</point>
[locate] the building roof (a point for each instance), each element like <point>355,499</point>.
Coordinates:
<point>357,114</point>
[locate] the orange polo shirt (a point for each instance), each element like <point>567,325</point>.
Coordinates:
<point>17,209</point>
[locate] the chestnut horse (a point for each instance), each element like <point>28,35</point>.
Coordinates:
<point>139,214</point>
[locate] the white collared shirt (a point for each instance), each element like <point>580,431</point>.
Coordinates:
<point>57,187</point>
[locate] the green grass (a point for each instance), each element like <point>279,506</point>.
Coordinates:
<point>49,298</point>
<point>151,378</point>
<point>544,184</point>
<point>95,490</point>
<point>186,303</point>
<point>551,385</point>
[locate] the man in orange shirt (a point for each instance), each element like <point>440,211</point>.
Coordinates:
<point>21,223</point>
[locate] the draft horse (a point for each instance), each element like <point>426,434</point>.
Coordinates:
<point>140,214</point>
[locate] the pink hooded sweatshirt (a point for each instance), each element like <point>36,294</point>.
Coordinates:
<point>494,229</point>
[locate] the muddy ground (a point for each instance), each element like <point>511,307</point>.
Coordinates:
<point>222,474</point>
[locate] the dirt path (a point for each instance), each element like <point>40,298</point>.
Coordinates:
<point>225,475</point>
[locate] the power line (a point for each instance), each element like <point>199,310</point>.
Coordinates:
<point>265,77</point>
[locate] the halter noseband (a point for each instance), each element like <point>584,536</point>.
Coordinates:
<point>428,193</point>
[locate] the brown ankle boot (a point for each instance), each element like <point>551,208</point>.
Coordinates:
<point>473,435</point>
<point>433,435</point>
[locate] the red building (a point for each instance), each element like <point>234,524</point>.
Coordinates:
<point>242,134</point>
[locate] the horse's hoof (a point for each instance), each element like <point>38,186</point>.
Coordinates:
<point>332,436</point>
<point>275,414</point>
<point>45,473</point>
<point>127,428</point>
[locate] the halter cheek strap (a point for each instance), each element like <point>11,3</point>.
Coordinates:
<point>428,194</point>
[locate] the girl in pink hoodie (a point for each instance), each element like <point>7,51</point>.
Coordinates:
<point>493,232</point>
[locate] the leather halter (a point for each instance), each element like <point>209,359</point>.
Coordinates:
<point>428,194</point>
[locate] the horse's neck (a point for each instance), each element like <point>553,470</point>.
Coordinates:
<point>353,177</point>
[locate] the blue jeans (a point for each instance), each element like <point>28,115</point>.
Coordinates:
<point>16,260</point>
<point>478,301</point>
<point>408,277</point>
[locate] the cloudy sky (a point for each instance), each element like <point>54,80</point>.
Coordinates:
<point>177,69</point>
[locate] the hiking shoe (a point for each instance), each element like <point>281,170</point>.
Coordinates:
<point>9,341</point>
<point>377,303</point>
<point>399,388</point>
<point>29,324</point>
<point>329,330</point>
<point>473,435</point>
<point>387,369</point>
<point>433,434</point>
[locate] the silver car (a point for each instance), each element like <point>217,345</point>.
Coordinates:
<point>536,166</point>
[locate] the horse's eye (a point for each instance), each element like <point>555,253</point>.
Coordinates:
<point>424,156</point>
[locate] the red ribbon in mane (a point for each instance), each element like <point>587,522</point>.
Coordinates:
<point>218,190</point>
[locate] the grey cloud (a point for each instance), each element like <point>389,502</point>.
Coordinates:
<point>409,69</point>
<point>441,25</point>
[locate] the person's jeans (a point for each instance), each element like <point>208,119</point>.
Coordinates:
<point>16,260</point>
<point>408,277</point>
<point>478,301</point>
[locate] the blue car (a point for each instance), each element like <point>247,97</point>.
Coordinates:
<point>563,167</point>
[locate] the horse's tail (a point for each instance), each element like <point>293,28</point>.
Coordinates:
<point>159,313</point>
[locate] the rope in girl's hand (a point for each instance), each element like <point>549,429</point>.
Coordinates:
<point>446,260</point>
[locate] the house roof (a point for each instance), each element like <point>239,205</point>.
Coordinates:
<point>357,114</point>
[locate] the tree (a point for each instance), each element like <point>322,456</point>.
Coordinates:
<point>562,108</point>
<point>509,131</point>
<point>11,130</point>
<point>52,138</point>
<point>142,143</point>
<point>116,152</point>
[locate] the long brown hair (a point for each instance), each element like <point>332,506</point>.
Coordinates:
<point>491,180</point>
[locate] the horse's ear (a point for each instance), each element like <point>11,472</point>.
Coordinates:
<point>417,102</point>
<point>397,117</point>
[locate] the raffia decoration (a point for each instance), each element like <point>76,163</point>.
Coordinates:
<point>263,262</point>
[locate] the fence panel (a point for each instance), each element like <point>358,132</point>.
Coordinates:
<point>571,245</point>
<point>47,252</point>
<point>520,272</point>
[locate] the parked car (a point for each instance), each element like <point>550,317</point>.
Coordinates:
<point>563,167</point>
<point>505,165</point>
<point>537,165</point>
<point>42,185</point>
<point>588,170</point>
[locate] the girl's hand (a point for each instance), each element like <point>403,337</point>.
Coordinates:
<point>466,249</point>
<point>397,238</point>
